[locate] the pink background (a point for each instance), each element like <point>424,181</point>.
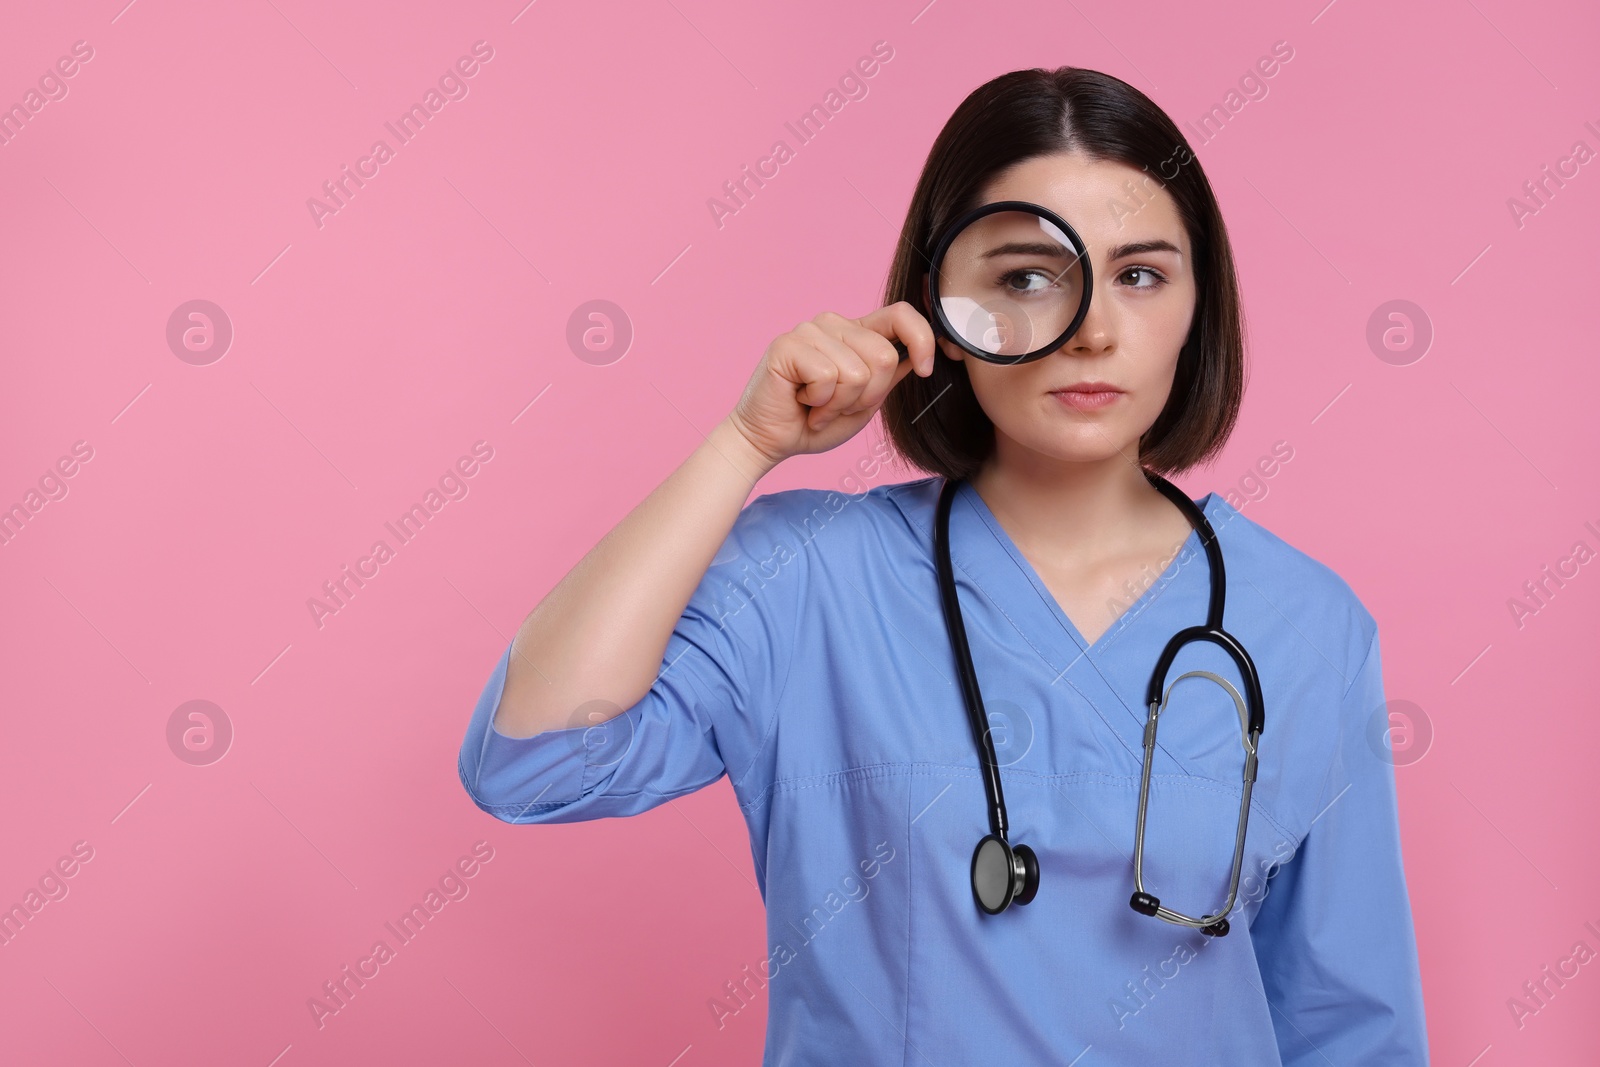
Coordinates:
<point>371,352</point>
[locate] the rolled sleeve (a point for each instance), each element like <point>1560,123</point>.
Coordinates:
<point>708,712</point>
<point>1334,938</point>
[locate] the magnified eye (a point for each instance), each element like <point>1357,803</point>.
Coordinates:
<point>1009,282</point>
<point>1027,280</point>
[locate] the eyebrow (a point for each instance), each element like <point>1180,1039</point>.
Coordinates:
<point>1139,248</point>
<point>1036,248</point>
<point>1026,248</point>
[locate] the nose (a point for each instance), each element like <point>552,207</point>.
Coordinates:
<point>1097,333</point>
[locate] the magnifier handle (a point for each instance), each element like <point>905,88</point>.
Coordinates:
<point>900,348</point>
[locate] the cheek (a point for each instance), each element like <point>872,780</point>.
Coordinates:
<point>1151,384</point>
<point>1158,324</point>
<point>1013,396</point>
<point>1154,377</point>
<point>999,390</point>
<point>1153,339</point>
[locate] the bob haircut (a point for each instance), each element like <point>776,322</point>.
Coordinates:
<point>936,423</point>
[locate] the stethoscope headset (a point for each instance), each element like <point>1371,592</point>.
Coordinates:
<point>1004,873</point>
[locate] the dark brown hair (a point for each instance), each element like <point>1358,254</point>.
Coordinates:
<point>936,423</point>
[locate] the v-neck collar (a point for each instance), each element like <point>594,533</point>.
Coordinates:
<point>1109,676</point>
<point>1013,587</point>
<point>1191,549</point>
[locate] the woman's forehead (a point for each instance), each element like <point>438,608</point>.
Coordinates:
<point>1107,202</point>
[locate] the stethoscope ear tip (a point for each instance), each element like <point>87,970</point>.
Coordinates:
<point>1148,904</point>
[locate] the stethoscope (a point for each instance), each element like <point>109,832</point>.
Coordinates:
<point>1003,873</point>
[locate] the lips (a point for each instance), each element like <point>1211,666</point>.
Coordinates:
<point>1087,396</point>
<point>1089,387</point>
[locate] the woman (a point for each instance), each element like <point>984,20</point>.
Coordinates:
<point>797,646</point>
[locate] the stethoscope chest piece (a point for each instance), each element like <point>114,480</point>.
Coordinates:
<point>1003,874</point>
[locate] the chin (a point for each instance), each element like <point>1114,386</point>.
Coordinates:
<point>1083,444</point>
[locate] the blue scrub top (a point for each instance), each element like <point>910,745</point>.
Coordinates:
<point>812,667</point>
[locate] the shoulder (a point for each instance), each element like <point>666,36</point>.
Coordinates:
<point>1289,587</point>
<point>790,551</point>
<point>788,547</point>
<point>831,523</point>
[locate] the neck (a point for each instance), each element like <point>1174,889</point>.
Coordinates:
<point>1090,507</point>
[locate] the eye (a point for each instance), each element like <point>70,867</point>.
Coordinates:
<point>1026,280</point>
<point>1156,278</point>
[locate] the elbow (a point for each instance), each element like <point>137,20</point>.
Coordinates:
<point>487,804</point>
<point>517,801</point>
<point>507,809</point>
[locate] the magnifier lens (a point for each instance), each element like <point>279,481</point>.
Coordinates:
<point>1010,284</point>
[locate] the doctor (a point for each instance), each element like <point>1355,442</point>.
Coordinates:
<point>796,644</point>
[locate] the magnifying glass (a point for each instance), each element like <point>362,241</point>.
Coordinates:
<point>1009,282</point>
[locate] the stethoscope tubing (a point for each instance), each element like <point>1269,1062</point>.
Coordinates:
<point>965,673</point>
<point>1018,877</point>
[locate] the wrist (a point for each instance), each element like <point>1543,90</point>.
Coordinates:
<point>729,439</point>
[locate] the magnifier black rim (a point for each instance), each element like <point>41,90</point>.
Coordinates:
<point>949,236</point>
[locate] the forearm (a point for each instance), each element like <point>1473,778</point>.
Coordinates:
<point>600,634</point>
